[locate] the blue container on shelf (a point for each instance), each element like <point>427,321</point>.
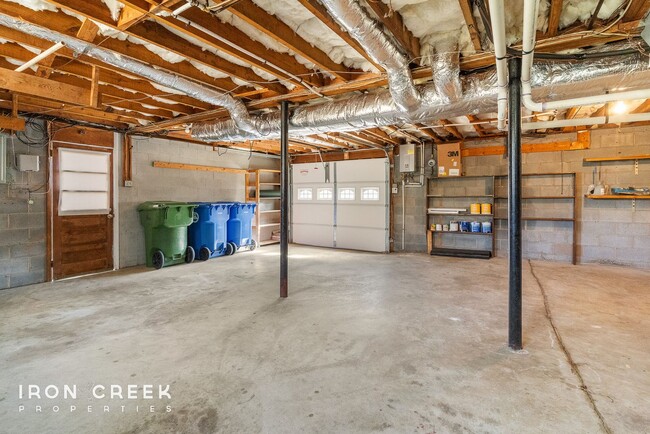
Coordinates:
<point>465,226</point>
<point>208,234</point>
<point>240,226</point>
<point>476,226</point>
<point>486,227</point>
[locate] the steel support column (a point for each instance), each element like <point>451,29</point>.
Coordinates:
<point>514,203</point>
<point>284,201</point>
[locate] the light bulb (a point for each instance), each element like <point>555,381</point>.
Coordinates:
<point>619,108</point>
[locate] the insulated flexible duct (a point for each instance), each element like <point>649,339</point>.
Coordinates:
<point>550,80</point>
<point>365,30</point>
<point>238,112</point>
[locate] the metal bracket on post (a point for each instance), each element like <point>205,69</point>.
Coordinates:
<point>636,167</point>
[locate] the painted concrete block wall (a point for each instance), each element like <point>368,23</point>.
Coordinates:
<point>608,231</point>
<point>150,183</point>
<point>22,225</point>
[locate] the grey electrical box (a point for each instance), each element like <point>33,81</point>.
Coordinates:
<point>407,158</point>
<point>27,163</point>
<point>646,32</point>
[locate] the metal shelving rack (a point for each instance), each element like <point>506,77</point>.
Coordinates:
<point>485,197</point>
<point>267,214</point>
<point>571,197</point>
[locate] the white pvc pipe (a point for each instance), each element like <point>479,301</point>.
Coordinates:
<point>528,47</point>
<point>181,9</point>
<point>38,58</point>
<point>498,20</point>
<point>599,120</point>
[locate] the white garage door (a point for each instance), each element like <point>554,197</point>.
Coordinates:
<point>342,204</point>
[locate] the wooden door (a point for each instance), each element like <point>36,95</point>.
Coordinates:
<point>82,207</point>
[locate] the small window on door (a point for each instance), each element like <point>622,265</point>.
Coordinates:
<point>324,194</point>
<point>84,182</point>
<point>305,194</point>
<point>370,193</point>
<point>346,193</point>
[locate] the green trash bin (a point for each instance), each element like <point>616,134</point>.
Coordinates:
<point>165,232</point>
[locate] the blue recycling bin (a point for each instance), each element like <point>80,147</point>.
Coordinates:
<point>240,226</point>
<point>208,235</point>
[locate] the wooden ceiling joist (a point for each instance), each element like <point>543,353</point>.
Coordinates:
<point>152,33</point>
<point>554,17</point>
<point>65,24</point>
<point>236,38</point>
<point>278,30</point>
<point>470,21</point>
<point>393,22</point>
<point>321,13</point>
<point>637,11</point>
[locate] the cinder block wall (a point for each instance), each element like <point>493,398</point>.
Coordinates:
<point>608,231</point>
<point>22,225</point>
<point>150,183</point>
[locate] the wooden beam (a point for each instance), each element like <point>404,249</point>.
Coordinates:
<point>321,13</point>
<point>554,17</point>
<point>470,21</point>
<point>278,30</point>
<point>12,123</point>
<point>339,156</point>
<point>196,167</point>
<point>88,31</point>
<point>155,34</point>
<point>127,161</point>
<point>477,127</point>
<point>236,38</point>
<point>637,11</point>
<point>428,132</point>
<point>42,88</point>
<point>450,128</point>
<point>583,141</point>
<point>394,23</point>
<point>62,23</point>
<point>94,88</point>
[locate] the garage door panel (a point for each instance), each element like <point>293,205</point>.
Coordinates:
<point>360,239</point>
<point>372,217</point>
<point>314,235</point>
<point>322,214</point>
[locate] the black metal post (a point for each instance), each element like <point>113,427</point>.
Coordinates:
<point>514,203</point>
<point>284,201</point>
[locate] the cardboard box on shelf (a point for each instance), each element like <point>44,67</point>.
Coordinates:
<point>449,162</point>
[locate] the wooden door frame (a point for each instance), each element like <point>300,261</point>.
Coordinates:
<point>87,136</point>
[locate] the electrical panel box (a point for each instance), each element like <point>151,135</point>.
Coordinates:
<point>407,158</point>
<point>3,159</point>
<point>28,163</point>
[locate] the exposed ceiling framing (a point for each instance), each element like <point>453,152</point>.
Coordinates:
<point>83,89</point>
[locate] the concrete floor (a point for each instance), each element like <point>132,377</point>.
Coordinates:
<point>364,343</point>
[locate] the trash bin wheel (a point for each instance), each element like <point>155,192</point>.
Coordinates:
<point>204,254</point>
<point>189,254</point>
<point>158,259</point>
<point>253,245</point>
<point>231,249</point>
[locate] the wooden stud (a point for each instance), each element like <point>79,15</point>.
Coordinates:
<point>470,21</point>
<point>127,160</point>
<point>12,123</point>
<point>583,141</point>
<point>42,88</point>
<point>94,88</point>
<point>554,17</point>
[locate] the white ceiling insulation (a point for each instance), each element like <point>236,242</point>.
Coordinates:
<point>36,5</point>
<point>312,30</point>
<point>115,7</point>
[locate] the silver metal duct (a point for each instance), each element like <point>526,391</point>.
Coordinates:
<point>238,112</point>
<point>446,74</point>
<point>365,30</point>
<point>550,80</point>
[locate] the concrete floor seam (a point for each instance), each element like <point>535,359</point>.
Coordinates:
<point>567,354</point>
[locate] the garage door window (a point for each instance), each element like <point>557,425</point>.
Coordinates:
<point>370,193</point>
<point>305,194</point>
<point>346,193</point>
<point>324,194</point>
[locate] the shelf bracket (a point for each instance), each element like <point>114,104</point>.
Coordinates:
<point>633,205</point>
<point>636,167</point>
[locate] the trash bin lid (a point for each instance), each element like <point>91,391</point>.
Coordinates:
<point>151,205</point>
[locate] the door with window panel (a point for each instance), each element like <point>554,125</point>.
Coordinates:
<point>313,204</point>
<point>82,209</point>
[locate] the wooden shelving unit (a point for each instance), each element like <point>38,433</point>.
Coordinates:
<point>616,197</point>
<point>571,197</point>
<point>485,196</point>
<point>259,184</point>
